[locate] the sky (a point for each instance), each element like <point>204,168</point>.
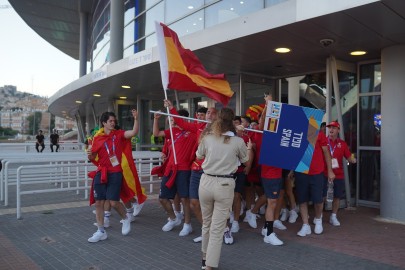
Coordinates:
<point>28,61</point>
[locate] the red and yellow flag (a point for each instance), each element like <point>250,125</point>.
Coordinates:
<point>181,70</point>
<point>131,185</point>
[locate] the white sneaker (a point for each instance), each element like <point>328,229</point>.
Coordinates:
<point>235,227</point>
<point>137,208</point>
<point>293,216</point>
<point>231,217</point>
<point>279,225</point>
<point>264,231</point>
<point>305,230</point>
<point>318,226</point>
<point>126,226</point>
<point>334,221</point>
<point>171,224</point>
<point>262,210</point>
<point>284,214</point>
<point>187,229</point>
<point>98,236</point>
<point>131,217</point>
<point>272,239</point>
<point>179,215</point>
<point>228,239</point>
<point>251,219</point>
<point>315,219</point>
<point>197,239</point>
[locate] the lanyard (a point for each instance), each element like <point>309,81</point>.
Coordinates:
<point>330,148</point>
<point>113,146</point>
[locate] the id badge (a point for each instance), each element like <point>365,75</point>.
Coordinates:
<point>335,163</point>
<point>114,161</point>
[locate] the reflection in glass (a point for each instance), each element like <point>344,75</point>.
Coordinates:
<point>370,110</point>
<point>370,75</point>
<point>269,3</point>
<point>176,9</point>
<point>227,10</point>
<point>189,24</point>
<point>369,162</point>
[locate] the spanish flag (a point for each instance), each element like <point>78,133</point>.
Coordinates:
<point>131,186</point>
<point>181,70</point>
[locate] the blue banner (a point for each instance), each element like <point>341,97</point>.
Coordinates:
<point>289,136</point>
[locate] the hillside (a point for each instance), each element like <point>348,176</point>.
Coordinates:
<point>11,99</point>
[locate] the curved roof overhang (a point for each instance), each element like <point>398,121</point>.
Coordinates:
<point>246,45</point>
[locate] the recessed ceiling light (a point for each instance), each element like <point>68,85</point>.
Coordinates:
<point>78,101</point>
<point>190,7</point>
<point>283,50</point>
<point>96,95</point>
<point>194,23</point>
<point>123,97</point>
<point>231,8</point>
<point>241,2</point>
<point>200,19</point>
<point>357,53</point>
<point>125,86</point>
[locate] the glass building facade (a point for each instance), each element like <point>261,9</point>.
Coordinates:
<point>184,17</point>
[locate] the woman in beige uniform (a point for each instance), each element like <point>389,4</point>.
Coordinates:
<point>223,153</point>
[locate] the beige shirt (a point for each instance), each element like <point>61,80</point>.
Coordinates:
<point>222,158</point>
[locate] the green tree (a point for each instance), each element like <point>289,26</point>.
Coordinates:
<point>34,121</point>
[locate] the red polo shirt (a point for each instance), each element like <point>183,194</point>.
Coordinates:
<point>338,149</point>
<point>318,160</point>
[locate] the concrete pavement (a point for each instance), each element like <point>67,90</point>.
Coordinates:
<point>55,237</point>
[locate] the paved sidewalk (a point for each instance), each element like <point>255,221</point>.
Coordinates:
<point>56,238</point>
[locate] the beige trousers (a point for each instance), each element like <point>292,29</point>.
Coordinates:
<point>216,197</point>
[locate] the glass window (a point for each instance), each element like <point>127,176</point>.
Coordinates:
<point>189,24</point>
<point>129,51</point>
<point>227,10</point>
<point>370,164</point>
<point>176,9</point>
<point>370,120</point>
<point>269,3</point>
<point>129,14</point>
<point>102,58</point>
<point>154,14</point>
<point>149,3</point>
<point>150,41</point>
<point>129,34</point>
<point>370,78</point>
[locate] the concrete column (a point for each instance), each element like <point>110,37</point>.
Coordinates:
<point>294,90</point>
<point>392,132</point>
<point>83,43</point>
<point>117,9</point>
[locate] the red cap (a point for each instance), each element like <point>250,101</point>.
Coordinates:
<point>333,124</point>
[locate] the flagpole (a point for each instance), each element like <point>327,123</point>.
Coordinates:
<point>171,130</point>
<point>198,120</point>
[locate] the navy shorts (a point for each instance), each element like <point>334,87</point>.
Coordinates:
<point>309,187</point>
<point>338,188</point>
<point>272,187</point>
<point>181,186</point>
<point>240,179</point>
<point>110,190</point>
<point>195,183</point>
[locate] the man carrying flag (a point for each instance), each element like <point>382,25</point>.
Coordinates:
<point>116,175</point>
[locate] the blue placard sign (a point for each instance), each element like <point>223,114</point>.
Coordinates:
<point>289,136</point>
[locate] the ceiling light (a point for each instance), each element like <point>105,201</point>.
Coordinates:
<point>194,23</point>
<point>283,50</point>
<point>125,86</point>
<point>357,53</point>
<point>78,101</point>
<point>190,7</point>
<point>241,2</point>
<point>96,95</point>
<point>200,19</point>
<point>123,97</point>
<point>231,8</point>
